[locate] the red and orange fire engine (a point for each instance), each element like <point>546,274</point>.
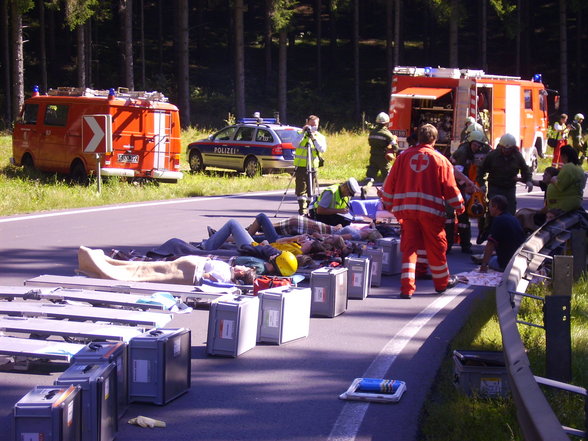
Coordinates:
<point>445,97</point>
<point>131,134</point>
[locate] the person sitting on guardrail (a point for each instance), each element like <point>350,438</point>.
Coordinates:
<point>505,236</point>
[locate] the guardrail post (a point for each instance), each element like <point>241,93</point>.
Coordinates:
<point>556,317</point>
<point>578,246</point>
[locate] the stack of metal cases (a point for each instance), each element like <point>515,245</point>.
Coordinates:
<point>49,413</point>
<point>110,352</point>
<point>329,292</point>
<point>232,325</point>
<point>392,259</point>
<point>358,276</point>
<point>284,314</point>
<point>160,365</point>
<point>376,256</point>
<point>99,398</point>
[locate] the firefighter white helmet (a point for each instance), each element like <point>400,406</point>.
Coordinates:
<point>470,120</point>
<point>476,136</point>
<point>579,117</point>
<point>507,140</point>
<point>382,118</point>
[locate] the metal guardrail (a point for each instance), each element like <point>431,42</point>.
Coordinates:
<point>535,416</point>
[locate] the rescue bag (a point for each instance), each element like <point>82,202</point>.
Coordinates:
<point>476,205</point>
<point>551,142</point>
<point>266,282</point>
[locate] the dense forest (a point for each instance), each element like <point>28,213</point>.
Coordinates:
<point>333,58</point>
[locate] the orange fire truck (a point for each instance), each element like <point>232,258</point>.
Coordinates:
<point>445,97</point>
<point>77,131</point>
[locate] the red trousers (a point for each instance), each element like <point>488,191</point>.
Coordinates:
<point>556,162</point>
<point>424,233</point>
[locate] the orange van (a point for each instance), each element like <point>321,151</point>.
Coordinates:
<point>130,134</point>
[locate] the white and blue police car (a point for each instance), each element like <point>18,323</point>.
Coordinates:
<point>252,146</point>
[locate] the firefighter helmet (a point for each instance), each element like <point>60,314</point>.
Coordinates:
<point>382,118</point>
<point>476,136</point>
<point>507,140</point>
<point>286,263</point>
<point>470,120</point>
<point>579,117</point>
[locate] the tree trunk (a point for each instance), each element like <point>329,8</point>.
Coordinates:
<point>127,12</point>
<point>282,75</point>
<point>332,28</point>
<point>453,34</point>
<point>356,59</point>
<point>389,43</point>
<point>397,39</point>
<point>239,60</point>
<point>518,40</point>
<point>81,55</point>
<point>579,68</point>
<point>18,59</point>
<point>319,41</point>
<point>42,46</point>
<point>142,36</point>
<point>88,49</point>
<point>6,64</point>
<point>563,56</point>
<point>183,63</point>
<point>267,49</point>
<point>484,36</point>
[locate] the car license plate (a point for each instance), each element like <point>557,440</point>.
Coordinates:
<point>132,159</point>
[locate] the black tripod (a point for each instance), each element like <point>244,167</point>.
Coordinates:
<point>310,172</point>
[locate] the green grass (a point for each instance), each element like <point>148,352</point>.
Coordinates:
<point>451,415</point>
<point>346,156</point>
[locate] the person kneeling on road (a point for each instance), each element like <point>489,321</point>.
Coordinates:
<point>505,237</point>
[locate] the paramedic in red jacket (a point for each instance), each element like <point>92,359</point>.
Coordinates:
<point>416,189</point>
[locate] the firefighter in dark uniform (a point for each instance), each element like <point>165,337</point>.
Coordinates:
<point>383,145</point>
<point>468,156</point>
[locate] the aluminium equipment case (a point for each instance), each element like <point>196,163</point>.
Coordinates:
<point>160,365</point>
<point>99,398</point>
<point>284,314</point>
<point>48,413</point>
<point>358,276</point>
<point>376,256</point>
<point>329,292</point>
<point>391,259</point>
<point>232,325</point>
<point>110,352</point>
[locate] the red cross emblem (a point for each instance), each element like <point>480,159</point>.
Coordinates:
<point>419,162</point>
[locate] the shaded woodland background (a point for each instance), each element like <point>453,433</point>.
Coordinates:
<point>333,58</point>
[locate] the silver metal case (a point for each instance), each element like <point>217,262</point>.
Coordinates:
<point>160,365</point>
<point>284,314</point>
<point>99,398</point>
<point>49,413</point>
<point>392,258</point>
<point>358,276</point>
<point>232,325</point>
<point>329,292</point>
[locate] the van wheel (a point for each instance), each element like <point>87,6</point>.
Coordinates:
<point>252,167</point>
<point>27,163</point>
<point>78,173</point>
<point>195,161</point>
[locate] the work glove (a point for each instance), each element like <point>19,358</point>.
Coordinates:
<point>144,421</point>
<point>529,185</point>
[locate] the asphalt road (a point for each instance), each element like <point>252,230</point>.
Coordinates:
<point>287,392</point>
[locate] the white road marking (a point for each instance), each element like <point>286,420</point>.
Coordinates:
<point>124,207</point>
<point>349,421</point>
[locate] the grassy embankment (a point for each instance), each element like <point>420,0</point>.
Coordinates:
<point>451,415</point>
<point>346,156</point>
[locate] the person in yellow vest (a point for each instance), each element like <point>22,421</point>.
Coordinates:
<point>332,206</point>
<point>312,143</point>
